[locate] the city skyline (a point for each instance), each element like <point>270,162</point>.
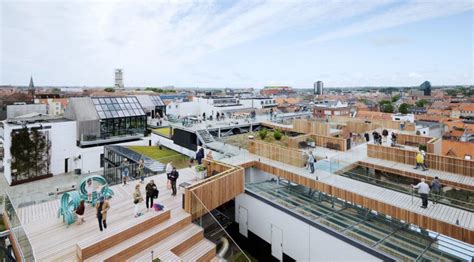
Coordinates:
<point>254,44</point>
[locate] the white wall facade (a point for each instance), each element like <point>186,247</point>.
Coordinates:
<point>301,241</point>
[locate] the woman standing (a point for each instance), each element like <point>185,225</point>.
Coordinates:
<point>141,173</point>
<point>80,213</point>
<point>125,171</point>
<point>137,199</point>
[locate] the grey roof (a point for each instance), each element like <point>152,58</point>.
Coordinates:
<point>81,109</point>
<point>149,102</point>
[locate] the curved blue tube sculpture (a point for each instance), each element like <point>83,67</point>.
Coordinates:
<point>71,200</point>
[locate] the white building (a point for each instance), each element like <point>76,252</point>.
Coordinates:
<point>119,79</point>
<point>410,118</point>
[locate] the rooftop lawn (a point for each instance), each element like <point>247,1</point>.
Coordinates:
<point>166,131</point>
<point>163,155</point>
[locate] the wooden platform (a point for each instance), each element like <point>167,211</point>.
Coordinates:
<point>450,221</point>
<point>450,179</point>
<point>125,237</point>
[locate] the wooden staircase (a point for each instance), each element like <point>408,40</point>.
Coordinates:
<point>169,234</point>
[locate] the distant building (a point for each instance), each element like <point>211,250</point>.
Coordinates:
<point>119,79</point>
<point>318,88</point>
<point>277,90</point>
<point>426,87</point>
<point>331,108</point>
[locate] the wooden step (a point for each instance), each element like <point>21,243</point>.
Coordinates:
<point>204,250</point>
<point>186,237</point>
<point>150,236</point>
<point>169,256</point>
<point>91,246</point>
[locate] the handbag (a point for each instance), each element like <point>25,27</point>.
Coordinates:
<point>135,201</point>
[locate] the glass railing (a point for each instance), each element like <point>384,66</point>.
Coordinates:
<point>130,133</point>
<point>387,235</point>
<point>17,231</point>
<point>216,226</point>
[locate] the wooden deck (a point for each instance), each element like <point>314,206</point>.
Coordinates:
<point>450,179</point>
<point>446,220</point>
<point>51,240</point>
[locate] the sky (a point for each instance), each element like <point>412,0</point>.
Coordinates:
<point>223,43</point>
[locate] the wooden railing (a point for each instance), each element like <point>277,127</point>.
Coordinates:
<point>358,127</point>
<point>320,140</point>
<point>311,127</point>
<point>278,153</point>
<point>388,124</point>
<point>412,140</point>
<point>214,191</point>
<point>437,162</point>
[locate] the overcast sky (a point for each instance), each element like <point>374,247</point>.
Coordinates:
<point>237,43</point>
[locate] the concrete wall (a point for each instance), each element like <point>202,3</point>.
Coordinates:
<point>170,144</point>
<point>300,240</point>
<point>19,110</point>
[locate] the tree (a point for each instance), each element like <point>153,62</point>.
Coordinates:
<point>56,90</point>
<point>109,89</point>
<point>421,103</point>
<point>395,98</point>
<point>404,107</point>
<point>386,106</point>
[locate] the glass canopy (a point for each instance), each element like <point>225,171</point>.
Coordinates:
<point>117,107</point>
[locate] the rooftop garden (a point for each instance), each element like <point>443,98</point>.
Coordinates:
<point>163,155</point>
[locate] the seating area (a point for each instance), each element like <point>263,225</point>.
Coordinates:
<point>169,233</point>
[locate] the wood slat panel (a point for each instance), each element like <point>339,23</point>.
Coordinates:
<point>214,191</point>
<point>388,124</point>
<point>311,127</point>
<point>279,153</point>
<point>437,162</point>
<point>320,140</point>
<point>412,140</point>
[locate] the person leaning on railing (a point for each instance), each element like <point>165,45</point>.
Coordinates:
<point>436,190</point>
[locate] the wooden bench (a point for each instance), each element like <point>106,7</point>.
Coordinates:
<point>204,250</point>
<point>92,246</point>
<point>141,241</point>
<point>186,237</point>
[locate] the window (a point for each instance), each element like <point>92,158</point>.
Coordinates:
<point>468,157</point>
<point>101,160</point>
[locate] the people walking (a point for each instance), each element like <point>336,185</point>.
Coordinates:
<point>423,190</point>
<point>137,199</point>
<point>436,190</point>
<point>311,161</point>
<point>125,171</point>
<point>173,177</point>
<point>80,212</point>
<point>420,161</point>
<point>102,206</point>
<point>200,155</point>
<point>141,170</point>
<point>169,169</point>
<point>151,192</point>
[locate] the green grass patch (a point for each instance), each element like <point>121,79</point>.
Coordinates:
<point>164,155</point>
<point>165,131</point>
<point>240,257</point>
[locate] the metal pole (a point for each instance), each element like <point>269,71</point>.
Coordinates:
<point>412,194</point>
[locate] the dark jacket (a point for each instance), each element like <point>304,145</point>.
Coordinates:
<point>174,176</point>
<point>80,210</point>
<point>150,188</point>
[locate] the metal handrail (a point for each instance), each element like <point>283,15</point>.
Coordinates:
<point>209,212</point>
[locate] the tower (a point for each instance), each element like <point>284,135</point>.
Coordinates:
<point>119,79</point>
<point>426,87</point>
<point>31,88</point>
<point>318,88</point>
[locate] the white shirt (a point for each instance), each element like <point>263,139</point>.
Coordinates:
<point>423,188</point>
<point>169,168</point>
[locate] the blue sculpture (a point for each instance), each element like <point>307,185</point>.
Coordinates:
<point>71,200</point>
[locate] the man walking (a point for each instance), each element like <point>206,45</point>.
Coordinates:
<point>436,189</point>
<point>102,206</point>
<point>173,177</point>
<point>311,161</point>
<point>423,190</point>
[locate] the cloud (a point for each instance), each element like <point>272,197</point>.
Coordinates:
<point>415,75</point>
<point>408,12</point>
<point>383,41</point>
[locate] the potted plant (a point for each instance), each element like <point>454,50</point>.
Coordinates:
<point>310,141</point>
<point>200,171</point>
